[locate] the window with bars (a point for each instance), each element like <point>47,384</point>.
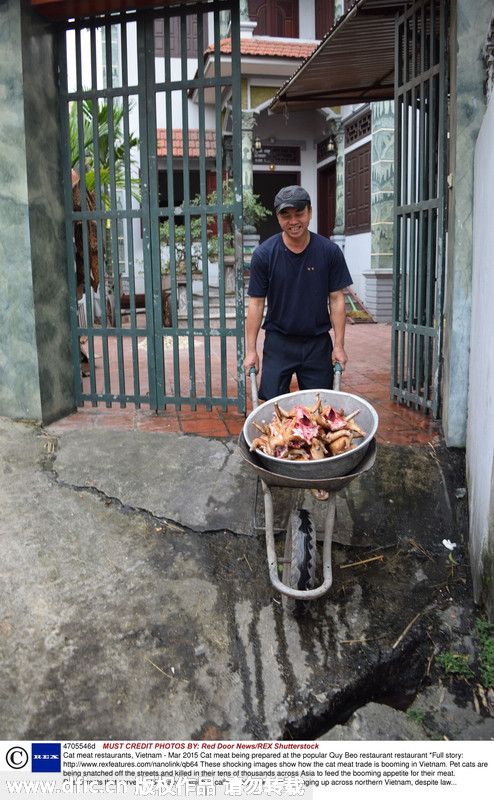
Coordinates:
<point>358,128</point>
<point>275,17</point>
<point>357,190</point>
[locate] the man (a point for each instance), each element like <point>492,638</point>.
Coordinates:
<point>296,271</point>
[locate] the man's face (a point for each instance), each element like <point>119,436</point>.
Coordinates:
<point>294,223</point>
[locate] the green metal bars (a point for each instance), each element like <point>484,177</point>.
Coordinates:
<point>153,221</point>
<point>420,204</point>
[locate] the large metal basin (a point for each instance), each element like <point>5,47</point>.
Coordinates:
<point>330,484</point>
<point>325,468</point>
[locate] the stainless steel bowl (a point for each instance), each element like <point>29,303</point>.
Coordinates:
<point>331,467</point>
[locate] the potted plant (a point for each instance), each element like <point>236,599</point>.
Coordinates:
<point>181,247</point>
<point>253,212</point>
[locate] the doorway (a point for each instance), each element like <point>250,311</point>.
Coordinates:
<point>267,185</point>
<point>326,199</point>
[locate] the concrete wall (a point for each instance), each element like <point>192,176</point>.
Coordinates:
<point>480,428</point>
<point>35,363</point>
<point>357,255</point>
<point>469,31</point>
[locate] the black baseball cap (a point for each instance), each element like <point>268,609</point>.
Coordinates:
<point>291,197</point>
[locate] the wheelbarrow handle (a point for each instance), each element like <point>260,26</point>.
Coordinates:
<point>253,387</point>
<point>337,370</point>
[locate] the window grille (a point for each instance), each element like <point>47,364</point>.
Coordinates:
<point>359,128</point>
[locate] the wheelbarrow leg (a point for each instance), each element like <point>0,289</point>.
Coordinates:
<point>268,522</point>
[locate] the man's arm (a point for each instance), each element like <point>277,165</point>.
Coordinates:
<point>338,322</point>
<point>253,322</point>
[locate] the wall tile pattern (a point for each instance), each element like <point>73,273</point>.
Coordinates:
<point>35,361</point>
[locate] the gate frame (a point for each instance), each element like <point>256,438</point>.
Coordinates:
<point>418,383</point>
<point>149,212</point>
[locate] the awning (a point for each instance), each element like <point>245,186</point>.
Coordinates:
<point>354,63</point>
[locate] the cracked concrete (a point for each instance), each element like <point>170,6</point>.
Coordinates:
<point>134,604</point>
<point>144,471</point>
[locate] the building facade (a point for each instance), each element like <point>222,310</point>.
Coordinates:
<point>342,155</point>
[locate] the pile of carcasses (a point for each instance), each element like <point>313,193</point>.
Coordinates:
<point>306,434</point>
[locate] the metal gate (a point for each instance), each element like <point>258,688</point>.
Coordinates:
<point>153,206</point>
<point>420,203</point>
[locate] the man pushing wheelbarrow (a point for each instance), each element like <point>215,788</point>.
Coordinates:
<point>299,274</point>
<point>292,439</point>
<point>296,272</point>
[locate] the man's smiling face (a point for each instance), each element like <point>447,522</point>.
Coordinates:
<point>294,222</point>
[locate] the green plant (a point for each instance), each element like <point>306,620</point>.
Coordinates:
<point>485,635</point>
<point>180,244</point>
<point>253,210</point>
<point>98,148</point>
<point>109,158</point>
<point>416,714</point>
<point>456,664</point>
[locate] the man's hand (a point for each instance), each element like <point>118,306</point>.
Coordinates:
<point>339,355</point>
<point>255,313</point>
<point>338,322</point>
<point>251,360</point>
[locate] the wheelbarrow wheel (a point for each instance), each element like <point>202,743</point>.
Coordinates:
<point>299,570</point>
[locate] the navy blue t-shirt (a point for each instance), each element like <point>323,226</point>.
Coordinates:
<point>297,285</point>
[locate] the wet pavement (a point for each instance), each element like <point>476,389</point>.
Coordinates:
<point>136,602</point>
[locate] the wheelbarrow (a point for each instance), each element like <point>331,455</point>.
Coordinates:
<point>329,474</point>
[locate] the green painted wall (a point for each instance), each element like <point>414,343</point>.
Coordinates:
<point>339,222</point>
<point>35,362</point>
<point>339,9</point>
<point>382,185</point>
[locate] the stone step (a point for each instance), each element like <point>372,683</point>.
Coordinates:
<point>230,308</point>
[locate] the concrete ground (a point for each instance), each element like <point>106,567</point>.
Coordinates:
<point>135,601</point>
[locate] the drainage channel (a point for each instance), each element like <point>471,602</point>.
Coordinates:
<point>394,681</point>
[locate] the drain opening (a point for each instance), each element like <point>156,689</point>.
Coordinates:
<point>393,682</point>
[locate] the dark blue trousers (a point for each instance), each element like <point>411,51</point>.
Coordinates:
<point>308,357</point>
